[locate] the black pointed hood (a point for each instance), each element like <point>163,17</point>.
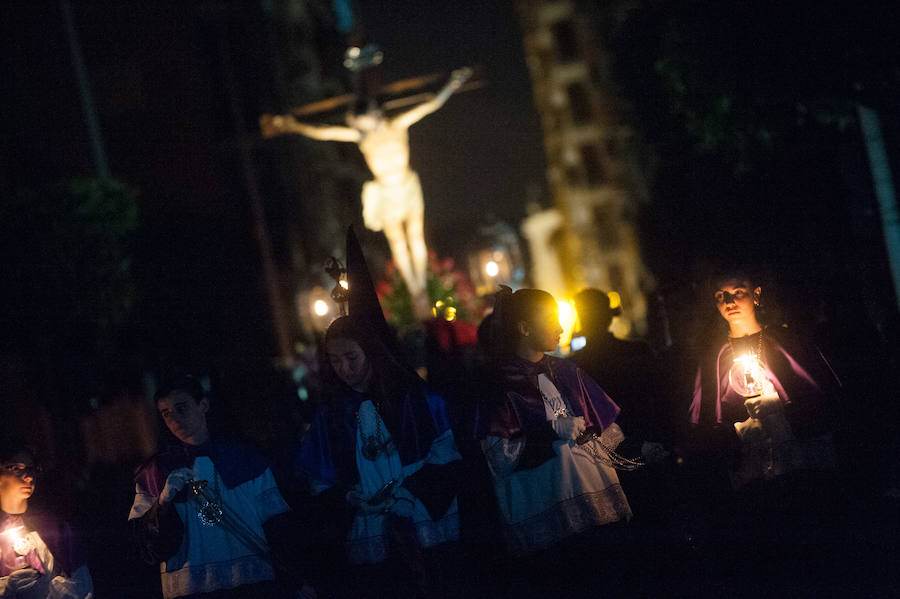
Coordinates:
<point>363,304</point>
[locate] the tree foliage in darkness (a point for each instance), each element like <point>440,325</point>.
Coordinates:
<point>741,80</point>
<point>67,254</point>
<point>749,110</point>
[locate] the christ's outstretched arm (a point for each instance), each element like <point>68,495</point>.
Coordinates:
<point>272,125</point>
<point>414,115</point>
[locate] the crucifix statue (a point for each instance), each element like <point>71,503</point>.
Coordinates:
<point>392,201</point>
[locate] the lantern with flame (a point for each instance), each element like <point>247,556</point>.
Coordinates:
<point>748,376</point>
<point>16,539</point>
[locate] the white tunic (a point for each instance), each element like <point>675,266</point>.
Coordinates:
<point>565,495</point>
<point>210,557</point>
<point>365,542</point>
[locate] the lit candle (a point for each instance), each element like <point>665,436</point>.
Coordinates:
<point>747,375</point>
<point>20,543</point>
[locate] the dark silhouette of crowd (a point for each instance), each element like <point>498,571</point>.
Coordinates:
<point>509,471</point>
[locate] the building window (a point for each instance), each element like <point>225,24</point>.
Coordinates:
<point>566,41</point>
<point>579,103</point>
<point>616,278</point>
<point>574,176</point>
<point>593,164</point>
<point>607,232</point>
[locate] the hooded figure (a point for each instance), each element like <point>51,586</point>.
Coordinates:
<point>380,458</point>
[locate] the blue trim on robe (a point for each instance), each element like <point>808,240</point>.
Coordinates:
<point>328,451</point>
<point>234,461</point>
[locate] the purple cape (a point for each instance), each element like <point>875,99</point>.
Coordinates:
<point>520,405</point>
<point>235,462</point>
<point>328,452</point>
<point>800,374</point>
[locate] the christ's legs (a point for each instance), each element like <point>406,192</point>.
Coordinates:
<point>396,237</point>
<point>415,234</point>
<point>398,210</point>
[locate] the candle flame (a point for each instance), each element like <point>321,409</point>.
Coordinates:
<point>14,532</point>
<point>20,543</point>
<point>746,360</point>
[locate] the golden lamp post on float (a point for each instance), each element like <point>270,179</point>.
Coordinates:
<point>317,307</point>
<point>315,310</point>
<point>495,258</point>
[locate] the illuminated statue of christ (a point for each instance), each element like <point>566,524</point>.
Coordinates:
<point>392,201</point>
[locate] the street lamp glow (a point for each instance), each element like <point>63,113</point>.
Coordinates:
<point>566,314</point>
<point>567,318</point>
<point>320,307</point>
<point>491,268</point>
<point>344,284</point>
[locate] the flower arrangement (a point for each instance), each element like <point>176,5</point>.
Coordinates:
<point>450,291</point>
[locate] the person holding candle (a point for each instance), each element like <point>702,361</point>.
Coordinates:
<point>39,557</point>
<point>209,510</point>
<point>760,448</point>
<point>763,392</point>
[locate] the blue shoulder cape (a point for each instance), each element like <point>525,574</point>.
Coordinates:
<point>235,462</point>
<point>328,451</point>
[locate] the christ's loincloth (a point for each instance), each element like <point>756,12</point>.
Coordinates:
<point>387,204</point>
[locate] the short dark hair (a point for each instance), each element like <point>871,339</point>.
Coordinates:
<point>187,384</point>
<point>525,304</point>
<point>726,272</point>
<point>594,311</point>
<point>11,447</point>
<point>502,332</point>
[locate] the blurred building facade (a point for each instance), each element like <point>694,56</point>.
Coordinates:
<point>593,165</point>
